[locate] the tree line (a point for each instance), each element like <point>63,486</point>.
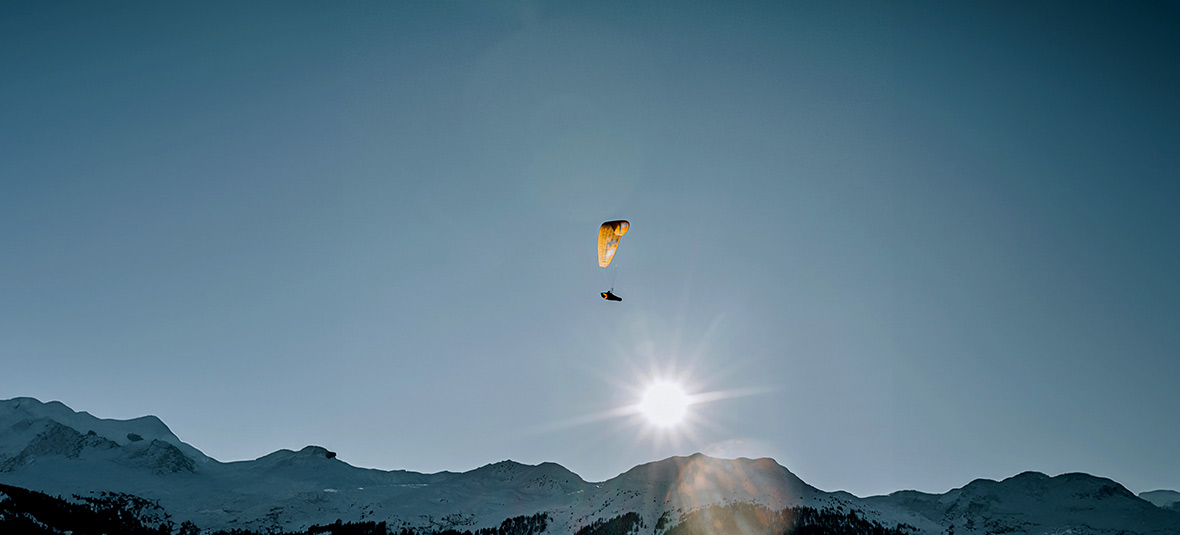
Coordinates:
<point>27,512</point>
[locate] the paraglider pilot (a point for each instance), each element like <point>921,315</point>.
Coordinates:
<point>610,296</point>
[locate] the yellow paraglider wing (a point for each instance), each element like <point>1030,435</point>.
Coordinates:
<point>609,235</point>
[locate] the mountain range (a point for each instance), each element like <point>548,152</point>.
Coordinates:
<point>52,449</point>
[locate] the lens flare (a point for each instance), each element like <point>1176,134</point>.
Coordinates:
<point>664,404</point>
<point>662,393</point>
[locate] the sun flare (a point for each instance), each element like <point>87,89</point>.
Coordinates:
<point>664,404</point>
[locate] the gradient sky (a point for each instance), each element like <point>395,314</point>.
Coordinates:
<point>904,245</point>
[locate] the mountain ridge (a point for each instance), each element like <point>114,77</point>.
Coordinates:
<point>48,447</point>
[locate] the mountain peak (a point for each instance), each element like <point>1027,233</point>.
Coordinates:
<point>1029,475</point>
<point>27,411</point>
<point>317,451</point>
<point>673,466</point>
<point>1033,483</point>
<point>509,469</point>
<point>691,481</point>
<point>1168,499</point>
<point>35,408</point>
<point>307,453</point>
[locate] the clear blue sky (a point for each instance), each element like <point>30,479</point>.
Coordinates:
<point>912,243</point>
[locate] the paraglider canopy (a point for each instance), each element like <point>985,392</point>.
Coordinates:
<point>608,240</point>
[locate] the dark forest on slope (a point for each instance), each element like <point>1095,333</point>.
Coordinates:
<point>28,512</point>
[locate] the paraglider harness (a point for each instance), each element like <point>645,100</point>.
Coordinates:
<point>610,296</point>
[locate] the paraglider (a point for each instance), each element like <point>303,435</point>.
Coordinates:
<point>609,235</point>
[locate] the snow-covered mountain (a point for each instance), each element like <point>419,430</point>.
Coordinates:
<point>1033,502</point>
<point>50,448</point>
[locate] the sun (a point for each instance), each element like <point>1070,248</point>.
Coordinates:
<point>664,404</point>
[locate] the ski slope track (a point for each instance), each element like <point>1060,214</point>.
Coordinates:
<point>51,448</point>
